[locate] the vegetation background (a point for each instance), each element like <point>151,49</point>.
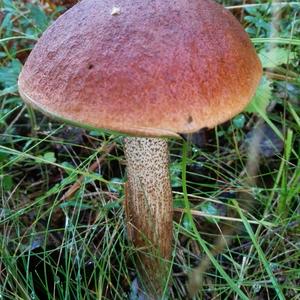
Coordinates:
<point>62,234</point>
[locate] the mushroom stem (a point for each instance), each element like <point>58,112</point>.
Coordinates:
<point>149,210</point>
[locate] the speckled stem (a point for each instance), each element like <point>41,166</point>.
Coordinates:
<point>149,209</point>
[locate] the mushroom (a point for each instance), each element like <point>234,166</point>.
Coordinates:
<point>150,69</point>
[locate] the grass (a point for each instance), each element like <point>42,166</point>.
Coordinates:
<point>64,240</point>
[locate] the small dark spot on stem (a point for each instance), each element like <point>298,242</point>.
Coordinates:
<point>90,66</point>
<point>190,119</point>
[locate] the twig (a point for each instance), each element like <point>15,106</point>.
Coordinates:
<point>72,190</point>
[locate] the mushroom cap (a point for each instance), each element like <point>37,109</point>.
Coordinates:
<point>142,67</point>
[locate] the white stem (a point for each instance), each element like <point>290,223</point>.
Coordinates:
<point>149,208</point>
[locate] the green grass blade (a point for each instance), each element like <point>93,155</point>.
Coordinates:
<point>260,252</point>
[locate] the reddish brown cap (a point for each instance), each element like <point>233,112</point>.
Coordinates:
<point>143,67</point>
